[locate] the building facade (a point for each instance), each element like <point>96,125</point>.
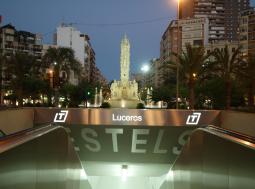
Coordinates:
<point>170,42</point>
<point>179,33</point>
<point>247,32</point>
<point>69,36</point>
<point>194,31</point>
<point>222,15</point>
<point>152,78</point>
<point>232,46</point>
<point>12,41</point>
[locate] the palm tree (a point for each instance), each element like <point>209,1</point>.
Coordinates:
<point>61,59</point>
<point>190,63</point>
<point>226,66</point>
<point>21,66</point>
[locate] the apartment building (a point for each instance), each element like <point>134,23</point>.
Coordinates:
<point>12,41</point>
<point>179,33</point>
<point>247,31</point>
<point>222,15</point>
<point>69,36</point>
<point>232,46</point>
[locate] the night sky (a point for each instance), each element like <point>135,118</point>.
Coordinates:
<point>105,21</point>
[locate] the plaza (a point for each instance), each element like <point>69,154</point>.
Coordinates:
<point>127,94</point>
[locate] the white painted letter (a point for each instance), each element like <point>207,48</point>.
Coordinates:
<point>95,147</point>
<point>158,141</point>
<point>136,141</point>
<point>181,140</point>
<point>114,133</point>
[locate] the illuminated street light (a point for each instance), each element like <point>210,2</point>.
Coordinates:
<point>145,68</point>
<point>51,72</point>
<point>194,75</point>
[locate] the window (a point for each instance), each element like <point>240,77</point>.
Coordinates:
<point>198,42</point>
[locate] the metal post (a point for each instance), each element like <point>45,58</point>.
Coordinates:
<point>177,63</point>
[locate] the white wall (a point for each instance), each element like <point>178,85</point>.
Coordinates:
<point>68,36</point>
<point>110,182</point>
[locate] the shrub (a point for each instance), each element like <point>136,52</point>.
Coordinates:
<point>140,106</point>
<point>105,105</point>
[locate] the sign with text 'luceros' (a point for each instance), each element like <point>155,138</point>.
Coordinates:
<point>128,117</point>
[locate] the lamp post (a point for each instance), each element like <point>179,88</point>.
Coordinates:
<point>145,69</point>
<point>87,98</point>
<point>177,63</point>
<point>51,72</point>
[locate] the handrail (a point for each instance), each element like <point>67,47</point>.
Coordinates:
<point>232,133</point>
<point>233,136</point>
<point>215,158</point>
<point>14,140</point>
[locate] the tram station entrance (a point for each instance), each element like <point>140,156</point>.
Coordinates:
<point>121,148</point>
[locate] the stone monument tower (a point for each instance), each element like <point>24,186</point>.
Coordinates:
<point>124,59</point>
<point>124,93</point>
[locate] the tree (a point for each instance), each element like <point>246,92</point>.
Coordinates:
<point>247,74</point>
<point>164,93</point>
<point>34,87</point>
<point>75,95</point>
<point>21,66</point>
<point>2,65</point>
<point>212,90</point>
<point>226,65</point>
<point>61,59</point>
<point>87,91</point>
<point>71,94</point>
<point>190,65</point>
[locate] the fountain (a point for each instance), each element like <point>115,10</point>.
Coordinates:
<point>149,102</point>
<point>124,93</point>
<point>101,96</point>
<point>98,100</point>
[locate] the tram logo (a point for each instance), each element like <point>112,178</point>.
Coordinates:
<point>193,119</point>
<point>61,116</point>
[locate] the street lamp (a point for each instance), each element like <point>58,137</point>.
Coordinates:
<point>51,72</point>
<point>177,63</point>
<point>145,68</point>
<point>86,99</point>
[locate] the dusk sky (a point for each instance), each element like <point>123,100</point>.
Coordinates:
<point>94,17</point>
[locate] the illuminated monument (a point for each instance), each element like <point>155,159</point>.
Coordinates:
<point>124,93</point>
